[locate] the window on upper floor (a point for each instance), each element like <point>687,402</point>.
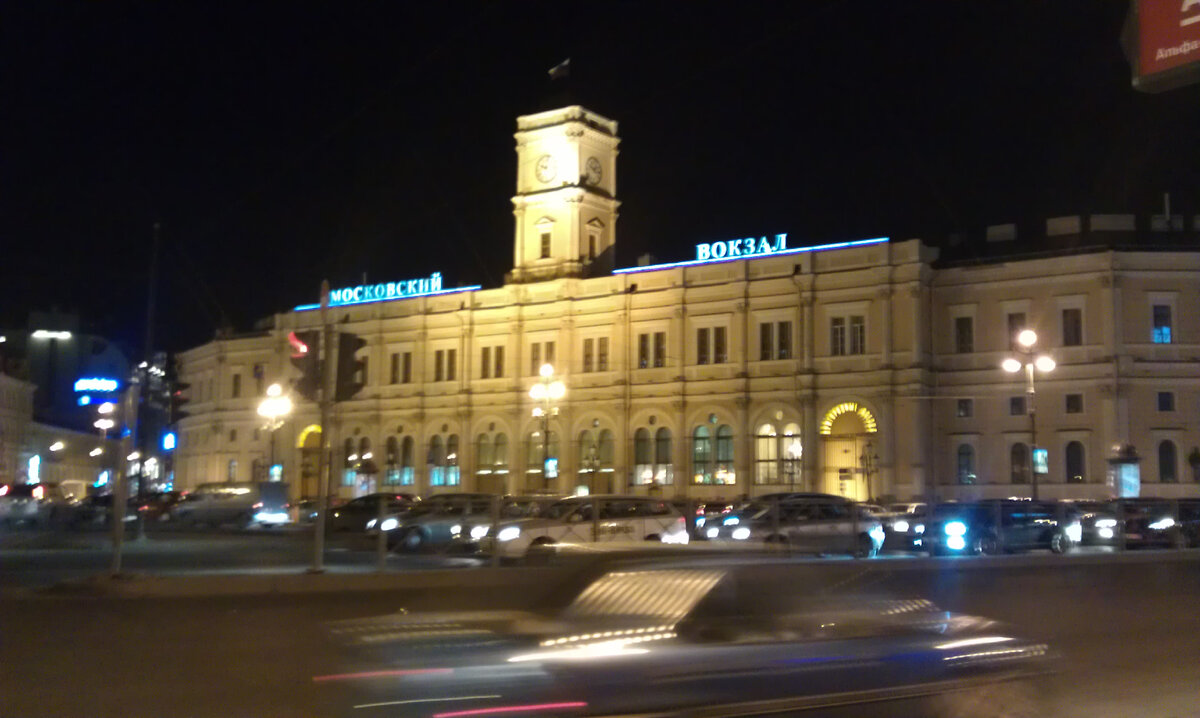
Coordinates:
<point>964,335</point>
<point>775,340</point>
<point>1072,327</point>
<point>451,364</point>
<point>406,368</point>
<point>965,408</point>
<point>394,369</point>
<point>660,349</point>
<point>1016,405</point>
<point>602,354</point>
<point>235,390</point>
<point>485,363</point>
<point>545,245</point>
<point>1160,316</point>
<point>837,336</point>
<point>1074,403</point>
<point>1166,401</point>
<point>439,365</point>
<point>1016,323</point>
<point>498,362</point>
<point>589,355</point>
<point>540,353</point>
<point>858,335</point>
<point>711,345</point>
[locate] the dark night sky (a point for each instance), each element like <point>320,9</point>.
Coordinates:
<point>281,143</point>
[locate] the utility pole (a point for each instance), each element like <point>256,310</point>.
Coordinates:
<point>325,400</point>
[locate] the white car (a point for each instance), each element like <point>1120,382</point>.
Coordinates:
<point>570,521</point>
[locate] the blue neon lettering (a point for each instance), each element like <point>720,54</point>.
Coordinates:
<point>780,242</point>
<point>719,249</point>
<point>703,252</point>
<point>436,281</point>
<point>735,247</point>
<point>705,256</point>
<point>763,247</point>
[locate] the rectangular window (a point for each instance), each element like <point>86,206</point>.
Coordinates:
<point>1016,405</point>
<point>535,358</point>
<point>236,389</point>
<point>451,364</point>
<point>1016,322</point>
<point>394,374</point>
<point>499,366</point>
<point>783,337</point>
<point>545,245</point>
<point>1074,403</point>
<point>858,335</point>
<point>548,350</point>
<point>439,358</point>
<point>589,355</point>
<point>1072,327</point>
<point>837,336</point>
<point>1166,401</point>
<point>1161,316</point>
<point>362,374</point>
<point>233,436</point>
<point>643,351</point>
<point>702,345</point>
<point>602,354</point>
<point>720,352</point>
<point>966,408</point>
<point>660,349</point>
<point>964,335</point>
<point>485,363</point>
<point>259,370</point>
<point>406,368</point>
<point>766,341</point>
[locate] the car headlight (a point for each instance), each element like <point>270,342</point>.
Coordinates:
<point>478,532</point>
<point>1162,524</point>
<point>456,529</point>
<point>1106,523</point>
<point>712,532</point>
<point>741,533</point>
<point>371,523</point>
<point>955,528</point>
<point>919,529</point>
<point>901,526</point>
<point>731,521</point>
<point>700,521</point>
<point>956,543</point>
<point>389,525</point>
<point>508,534</point>
<point>1075,532</point>
<point>1105,533</point>
<point>876,533</point>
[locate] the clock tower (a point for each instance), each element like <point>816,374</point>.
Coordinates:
<point>565,209</point>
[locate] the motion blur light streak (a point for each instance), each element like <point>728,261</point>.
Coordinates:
<point>426,700</point>
<point>512,709</point>
<point>980,641</point>
<point>381,674</point>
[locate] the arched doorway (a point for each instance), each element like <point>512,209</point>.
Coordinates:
<point>850,451</point>
<point>309,444</point>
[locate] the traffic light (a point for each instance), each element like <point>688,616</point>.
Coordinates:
<point>179,397</point>
<point>306,356</point>
<point>351,372</point>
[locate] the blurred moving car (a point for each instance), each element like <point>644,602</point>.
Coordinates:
<point>157,506</point>
<point>692,638</point>
<point>241,503</point>
<point>703,513</point>
<point>27,504</point>
<point>805,522</point>
<point>1097,521</point>
<point>904,526</point>
<point>355,513</point>
<point>1001,526</point>
<point>95,511</point>
<point>572,521</point>
<point>436,521</point>
<point>1159,523</point>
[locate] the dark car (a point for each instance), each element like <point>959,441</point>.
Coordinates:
<point>904,526</point>
<point>690,638</point>
<point>157,506</point>
<point>1159,523</point>
<point>1097,521</point>
<point>95,511</point>
<point>807,523</point>
<point>356,513</point>
<point>1001,526</point>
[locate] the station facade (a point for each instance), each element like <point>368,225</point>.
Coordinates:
<point>868,368</point>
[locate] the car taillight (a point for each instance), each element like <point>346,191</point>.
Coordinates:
<point>258,505</point>
<point>3,490</point>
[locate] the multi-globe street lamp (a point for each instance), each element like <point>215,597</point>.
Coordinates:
<point>274,408</point>
<point>547,391</point>
<point>1029,360</point>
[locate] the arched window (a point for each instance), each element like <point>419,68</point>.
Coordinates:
<point>536,452</point>
<point>407,470</point>
<point>643,457</point>
<point>1075,462</point>
<point>766,455</point>
<point>483,454</point>
<point>391,474</point>
<point>350,458</point>
<point>725,473</point>
<point>452,475</point>
<point>500,454</point>
<point>1166,462</point>
<point>664,472</point>
<point>1018,461</point>
<point>966,464</point>
<point>436,462</point>
<point>364,448</point>
<point>702,456</point>
<point>793,452</point>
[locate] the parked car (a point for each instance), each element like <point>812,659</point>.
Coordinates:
<point>437,521</point>
<point>244,504</point>
<point>157,506</point>
<point>703,513</point>
<point>904,526</point>
<point>692,638</point>
<point>1097,521</point>
<point>31,504</point>
<point>1002,526</point>
<point>1160,523</point>
<point>570,521</point>
<point>355,513</point>
<point>95,511</point>
<point>808,523</point>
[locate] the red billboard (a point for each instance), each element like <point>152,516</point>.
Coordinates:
<point>1167,37</point>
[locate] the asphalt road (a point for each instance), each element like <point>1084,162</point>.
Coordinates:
<point>1127,633</point>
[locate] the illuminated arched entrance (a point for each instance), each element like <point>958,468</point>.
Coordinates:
<point>309,444</point>
<point>848,438</point>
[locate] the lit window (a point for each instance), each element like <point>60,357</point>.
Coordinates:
<point>1161,317</point>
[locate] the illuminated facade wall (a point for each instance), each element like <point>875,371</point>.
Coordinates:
<point>16,416</point>
<point>833,370</point>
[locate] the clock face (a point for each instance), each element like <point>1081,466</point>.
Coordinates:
<point>594,171</point>
<point>545,168</point>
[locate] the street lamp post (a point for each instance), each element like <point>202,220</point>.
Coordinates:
<point>547,391</point>
<point>1029,360</point>
<point>274,408</point>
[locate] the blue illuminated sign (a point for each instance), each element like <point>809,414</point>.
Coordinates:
<point>1041,461</point>
<point>736,249</point>
<point>95,383</point>
<point>168,441</point>
<point>367,293</point>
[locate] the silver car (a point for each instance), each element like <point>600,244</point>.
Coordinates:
<point>805,523</point>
